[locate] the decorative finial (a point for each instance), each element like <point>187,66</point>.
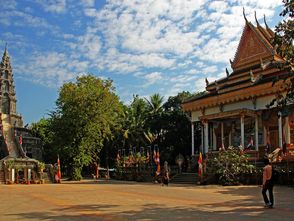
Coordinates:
<point>231,62</point>
<point>228,74</point>
<point>207,83</point>
<point>252,76</point>
<point>257,23</point>
<point>244,15</point>
<point>264,65</point>
<point>265,21</point>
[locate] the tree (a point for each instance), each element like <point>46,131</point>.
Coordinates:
<point>176,127</point>
<point>229,165</point>
<point>135,123</point>
<point>155,104</point>
<point>284,44</point>
<point>284,37</point>
<point>43,130</point>
<point>87,111</point>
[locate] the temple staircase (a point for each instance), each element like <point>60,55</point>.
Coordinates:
<point>13,147</point>
<point>185,178</point>
<point>2,179</point>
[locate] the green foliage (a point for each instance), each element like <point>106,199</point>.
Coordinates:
<point>135,123</point>
<point>285,32</point>
<point>229,165</point>
<point>88,112</point>
<point>41,165</point>
<point>43,129</point>
<point>10,164</point>
<point>284,44</point>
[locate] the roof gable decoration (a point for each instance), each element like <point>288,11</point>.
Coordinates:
<point>252,46</point>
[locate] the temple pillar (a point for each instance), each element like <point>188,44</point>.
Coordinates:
<point>205,137</point>
<point>256,132</point>
<point>280,130</point>
<point>214,139</point>
<point>265,138</point>
<point>211,135</point>
<point>242,130</point>
<point>222,134</point>
<point>192,134</point>
<point>287,130</point>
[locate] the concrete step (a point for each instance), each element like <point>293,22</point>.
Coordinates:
<point>185,178</point>
<point>2,181</point>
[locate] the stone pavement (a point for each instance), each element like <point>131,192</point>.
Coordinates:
<point>114,200</point>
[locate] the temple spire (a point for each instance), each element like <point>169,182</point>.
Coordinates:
<point>5,54</point>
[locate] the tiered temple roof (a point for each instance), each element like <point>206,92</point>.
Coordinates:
<point>254,69</point>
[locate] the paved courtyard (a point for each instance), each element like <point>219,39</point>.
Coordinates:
<point>114,200</point>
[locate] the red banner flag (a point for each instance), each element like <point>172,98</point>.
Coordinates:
<point>20,139</point>
<point>200,165</point>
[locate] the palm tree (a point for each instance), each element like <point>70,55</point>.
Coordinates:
<point>155,103</point>
<point>135,122</point>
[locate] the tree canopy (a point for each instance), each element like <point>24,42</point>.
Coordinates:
<point>87,113</point>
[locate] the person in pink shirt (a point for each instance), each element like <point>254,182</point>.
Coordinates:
<point>267,184</point>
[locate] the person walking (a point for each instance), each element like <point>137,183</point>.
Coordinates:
<point>267,184</point>
<point>165,174</point>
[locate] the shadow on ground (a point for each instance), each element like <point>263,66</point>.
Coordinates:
<point>234,210</point>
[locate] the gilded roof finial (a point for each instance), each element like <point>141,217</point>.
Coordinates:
<point>244,15</point>
<point>257,23</point>
<point>228,74</point>
<point>265,21</point>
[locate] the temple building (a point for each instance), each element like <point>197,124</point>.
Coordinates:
<point>235,110</point>
<point>19,149</point>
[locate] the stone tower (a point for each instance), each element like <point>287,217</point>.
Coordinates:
<point>7,91</point>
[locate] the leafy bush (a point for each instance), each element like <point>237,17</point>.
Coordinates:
<point>228,165</point>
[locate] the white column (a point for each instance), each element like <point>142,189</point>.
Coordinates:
<point>222,134</point>
<point>287,130</point>
<point>242,130</point>
<point>280,130</point>
<point>211,135</point>
<point>256,132</point>
<point>206,137</point>
<point>265,138</point>
<point>214,139</point>
<point>192,134</point>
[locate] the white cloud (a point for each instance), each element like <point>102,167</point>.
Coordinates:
<point>51,69</point>
<point>55,6</point>
<point>88,3</point>
<point>209,70</point>
<point>89,45</point>
<point>175,42</point>
<point>219,6</point>
<point>153,78</point>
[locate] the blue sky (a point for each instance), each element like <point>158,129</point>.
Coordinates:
<point>144,46</point>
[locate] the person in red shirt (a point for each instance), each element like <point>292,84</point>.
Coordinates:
<point>267,184</point>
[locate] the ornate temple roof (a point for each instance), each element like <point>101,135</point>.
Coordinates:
<point>254,66</point>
